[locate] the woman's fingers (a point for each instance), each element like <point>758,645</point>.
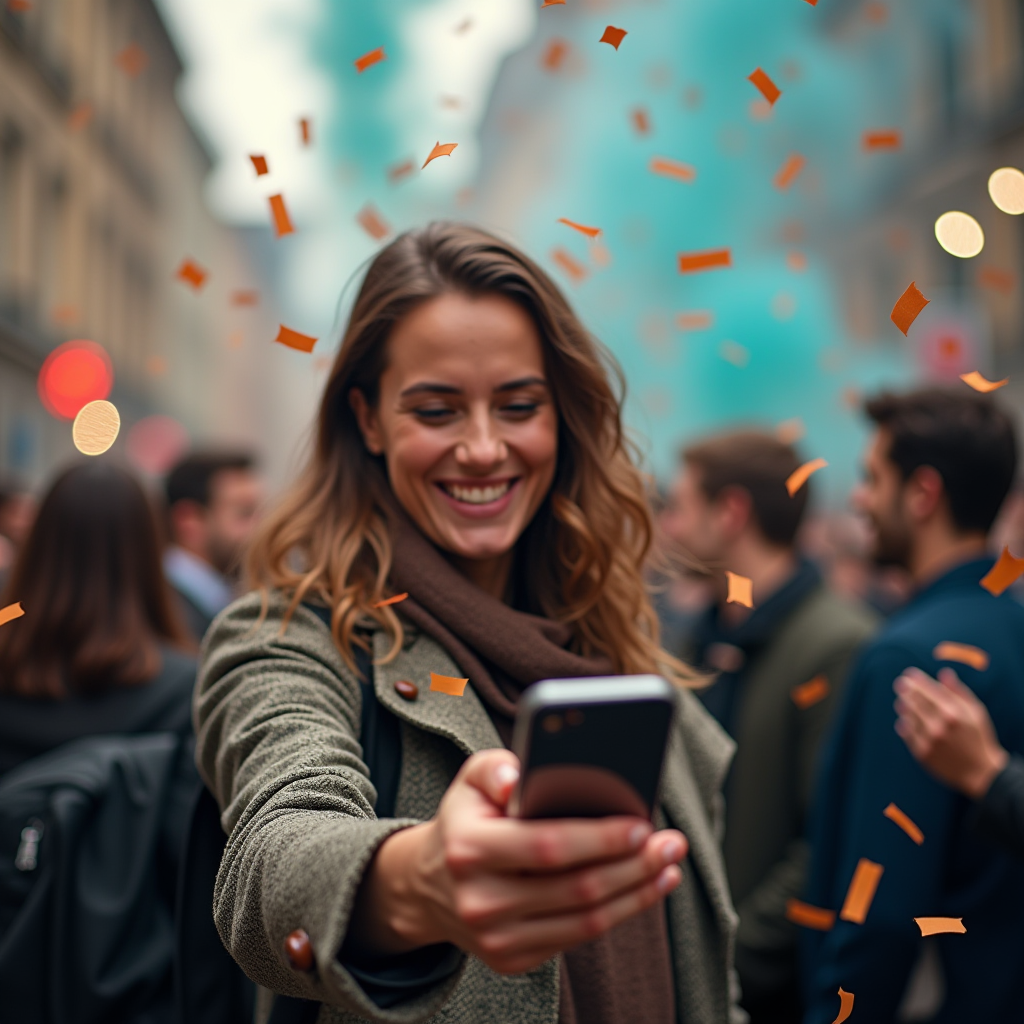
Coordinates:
<point>493,773</point>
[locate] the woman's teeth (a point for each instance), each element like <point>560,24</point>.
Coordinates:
<point>477,495</point>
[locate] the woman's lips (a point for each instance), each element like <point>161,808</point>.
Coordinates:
<point>479,500</point>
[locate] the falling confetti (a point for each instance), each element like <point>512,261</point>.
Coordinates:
<point>1006,187</point>
<point>959,234</point>
<point>907,307</point>
<point>19,6</point>
<point>708,259</point>
<point>64,313</point>
<point>260,163</point>
<point>80,117</point>
<point>156,366</point>
<point>1004,573</point>
<point>294,339</point>
<point>866,877</point>
<point>282,222</point>
<point>448,684</point>
<point>464,26</point>
<point>390,600</point>
<point>551,3</point>
<point>372,222</point>
<point>888,138</point>
<point>800,476</point>
<point>796,261</point>
<point>132,60</point>
<point>305,130</point>
<point>245,297</point>
<point>641,121</point>
<point>695,320</point>
<point>845,998</point>
<point>790,431</point>
<point>11,612</point>
<point>554,54</point>
<point>894,814</point>
<point>613,36</point>
<point>982,384</point>
<point>741,589</point>
<point>940,926</point>
<point>192,274</point>
<point>96,427</point>
<point>807,916</point>
<point>768,89</point>
<point>401,170</point>
<point>789,171</point>
<point>997,279</point>
<point>669,168</point>
<point>964,653</point>
<point>573,268</point>
<point>814,691</point>
<point>369,59</point>
<point>440,150</point>
<point>581,228</point>
<point>735,353</point>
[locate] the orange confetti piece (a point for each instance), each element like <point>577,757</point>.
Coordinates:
<point>80,117</point>
<point>768,89</point>
<point>192,274</point>
<point>398,171</point>
<point>295,340</point>
<point>64,313</point>
<point>260,163</point>
<point>19,6</point>
<point>813,3</point>
<point>807,916</point>
<point>790,431</point>
<point>964,653</point>
<point>907,307</point>
<point>282,222</point>
<point>695,320</point>
<point>708,259</point>
<point>894,814</point>
<point>796,261</point>
<point>573,268</point>
<point>390,600</point>
<point>551,3</point>
<point>800,476</point>
<point>448,684</point>
<point>245,297</point>
<point>613,36</point>
<point>669,168</point>
<point>440,150</point>
<point>865,881</point>
<point>940,926</point>
<point>554,55</point>
<point>11,612</point>
<point>996,279</point>
<point>814,691</point>
<point>305,130</point>
<point>581,228</point>
<point>741,589</point>
<point>1005,572</point>
<point>369,59</point>
<point>132,60</point>
<point>982,384</point>
<point>156,366</point>
<point>845,998</point>
<point>790,171</point>
<point>876,13</point>
<point>890,138</point>
<point>641,121</point>
<point>372,223</point>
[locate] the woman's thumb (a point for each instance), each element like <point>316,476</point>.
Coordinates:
<point>494,773</point>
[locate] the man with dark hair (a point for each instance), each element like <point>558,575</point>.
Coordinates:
<point>936,472</point>
<point>213,500</point>
<point>779,668</point>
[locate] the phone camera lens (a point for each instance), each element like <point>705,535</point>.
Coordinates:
<point>574,717</point>
<point>551,723</point>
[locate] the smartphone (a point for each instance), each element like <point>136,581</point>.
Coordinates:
<point>589,748</point>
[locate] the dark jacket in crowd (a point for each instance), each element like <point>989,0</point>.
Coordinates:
<point>32,726</point>
<point>801,633</point>
<point>1001,809</point>
<point>956,871</point>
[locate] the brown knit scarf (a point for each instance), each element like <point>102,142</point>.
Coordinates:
<point>627,973</point>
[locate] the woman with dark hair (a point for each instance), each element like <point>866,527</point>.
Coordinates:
<point>99,648</point>
<point>470,508</point>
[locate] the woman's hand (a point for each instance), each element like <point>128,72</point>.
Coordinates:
<point>511,892</point>
<point>948,730</point>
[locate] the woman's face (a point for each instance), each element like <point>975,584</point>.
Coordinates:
<point>465,422</point>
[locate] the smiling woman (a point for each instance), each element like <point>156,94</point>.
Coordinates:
<point>469,455</point>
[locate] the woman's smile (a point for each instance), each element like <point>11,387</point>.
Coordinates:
<point>479,498</point>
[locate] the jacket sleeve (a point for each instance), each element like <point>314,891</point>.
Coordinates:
<point>1001,809</point>
<point>277,721</point>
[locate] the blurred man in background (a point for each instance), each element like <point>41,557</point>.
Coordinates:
<point>780,668</point>
<point>17,514</point>
<point>213,502</point>
<point>936,472</point>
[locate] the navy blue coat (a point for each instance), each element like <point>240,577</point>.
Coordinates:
<point>957,872</point>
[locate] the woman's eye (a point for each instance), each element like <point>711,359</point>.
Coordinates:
<point>434,414</point>
<point>520,408</point>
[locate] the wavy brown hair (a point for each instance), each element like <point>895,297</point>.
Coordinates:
<point>584,551</point>
<point>97,606</point>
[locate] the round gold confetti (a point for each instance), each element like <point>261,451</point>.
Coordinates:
<point>96,427</point>
<point>1006,187</point>
<point>960,234</point>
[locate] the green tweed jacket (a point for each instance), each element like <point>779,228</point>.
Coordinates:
<point>277,717</point>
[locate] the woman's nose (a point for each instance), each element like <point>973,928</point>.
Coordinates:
<point>481,445</point>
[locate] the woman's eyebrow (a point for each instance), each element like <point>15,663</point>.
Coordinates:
<point>439,389</point>
<point>522,382</point>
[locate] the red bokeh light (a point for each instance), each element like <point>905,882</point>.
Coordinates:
<point>74,374</point>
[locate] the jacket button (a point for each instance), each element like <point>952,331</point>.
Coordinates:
<point>406,690</point>
<point>299,950</point>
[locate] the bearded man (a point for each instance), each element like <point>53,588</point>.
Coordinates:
<point>936,472</point>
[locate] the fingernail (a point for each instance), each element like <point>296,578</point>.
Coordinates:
<point>638,835</point>
<point>672,851</point>
<point>506,773</point>
<point>667,881</point>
